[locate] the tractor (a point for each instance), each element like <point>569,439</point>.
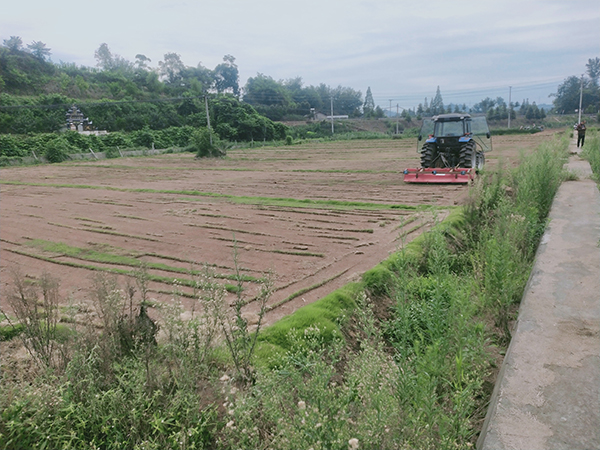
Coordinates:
<point>453,151</point>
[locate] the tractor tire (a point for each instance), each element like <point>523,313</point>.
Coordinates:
<point>480,160</point>
<point>469,156</point>
<point>428,156</point>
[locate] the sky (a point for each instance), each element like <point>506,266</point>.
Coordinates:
<point>403,50</point>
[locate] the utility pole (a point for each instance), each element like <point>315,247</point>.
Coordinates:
<point>332,116</point>
<point>390,107</point>
<point>397,117</point>
<point>208,119</point>
<point>580,99</point>
<point>509,104</point>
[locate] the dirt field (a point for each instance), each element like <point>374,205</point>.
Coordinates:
<point>316,215</point>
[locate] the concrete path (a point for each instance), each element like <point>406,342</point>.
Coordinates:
<point>547,396</point>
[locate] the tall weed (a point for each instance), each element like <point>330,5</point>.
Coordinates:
<point>591,152</point>
<point>36,306</point>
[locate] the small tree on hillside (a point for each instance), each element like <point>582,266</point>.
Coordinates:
<point>39,50</point>
<point>369,105</point>
<point>14,43</point>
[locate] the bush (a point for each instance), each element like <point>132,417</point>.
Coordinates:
<point>8,161</point>
<point>207,144</point>
<point>57,151</point>
<point>10,146</point>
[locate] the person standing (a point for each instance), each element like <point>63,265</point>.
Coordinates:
<point>580,133</point>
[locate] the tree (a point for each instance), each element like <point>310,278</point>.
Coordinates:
<point>141,62</point>
<point>346,101</point>
<point>294,86</point>
<point>593,69</point>
<point>379,113</point>
<point>437,104</point>
<point>171,67</point>
<point>264,90</point>
<point>227,76</point>
<point>484,105</point>
<point>14,43</point>
<point>567,96</point>
<point>109,62</point>
<point>104,57</point>
<point>369,106</point>
<point>197,80</point>
<point>39,50</point>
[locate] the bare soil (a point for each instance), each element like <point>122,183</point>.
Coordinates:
<point>183,212</point>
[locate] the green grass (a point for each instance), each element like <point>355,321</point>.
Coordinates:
<point>8,332</point>
<point>591,152</point>
<point>118,260</point>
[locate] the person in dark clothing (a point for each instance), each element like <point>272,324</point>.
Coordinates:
<point>580,133</point>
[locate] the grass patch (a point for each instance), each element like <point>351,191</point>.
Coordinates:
<point>112,259</point>
<point>8,332</point>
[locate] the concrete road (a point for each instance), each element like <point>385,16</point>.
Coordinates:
<point>548,392</point>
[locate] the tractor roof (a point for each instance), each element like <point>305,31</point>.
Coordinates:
<point>451,117</point>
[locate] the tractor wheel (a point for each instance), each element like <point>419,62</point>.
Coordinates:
<point>480,160</point>
<point>468,157</point>
<point>428,156</point>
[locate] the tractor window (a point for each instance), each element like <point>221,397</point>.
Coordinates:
<point>454,128</point>
<point>427,128</point>
<point>480,126</point>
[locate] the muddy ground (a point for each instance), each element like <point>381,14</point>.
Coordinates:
<point>315,215</point>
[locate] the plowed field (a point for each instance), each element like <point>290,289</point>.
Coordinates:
<point>315,215</point>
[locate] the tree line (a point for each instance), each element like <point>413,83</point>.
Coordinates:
<point>121,95</point>
<point>567,96</point>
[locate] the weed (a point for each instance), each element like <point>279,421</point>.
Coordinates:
<point>240,340</point>
<point>591,152</point>
<point>36,308</point>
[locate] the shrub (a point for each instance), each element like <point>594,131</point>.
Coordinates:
<point>10,146</point>
<point>57,151</point>
<point>207,144</point>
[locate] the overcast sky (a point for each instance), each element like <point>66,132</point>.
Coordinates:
<point>402,49</point>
